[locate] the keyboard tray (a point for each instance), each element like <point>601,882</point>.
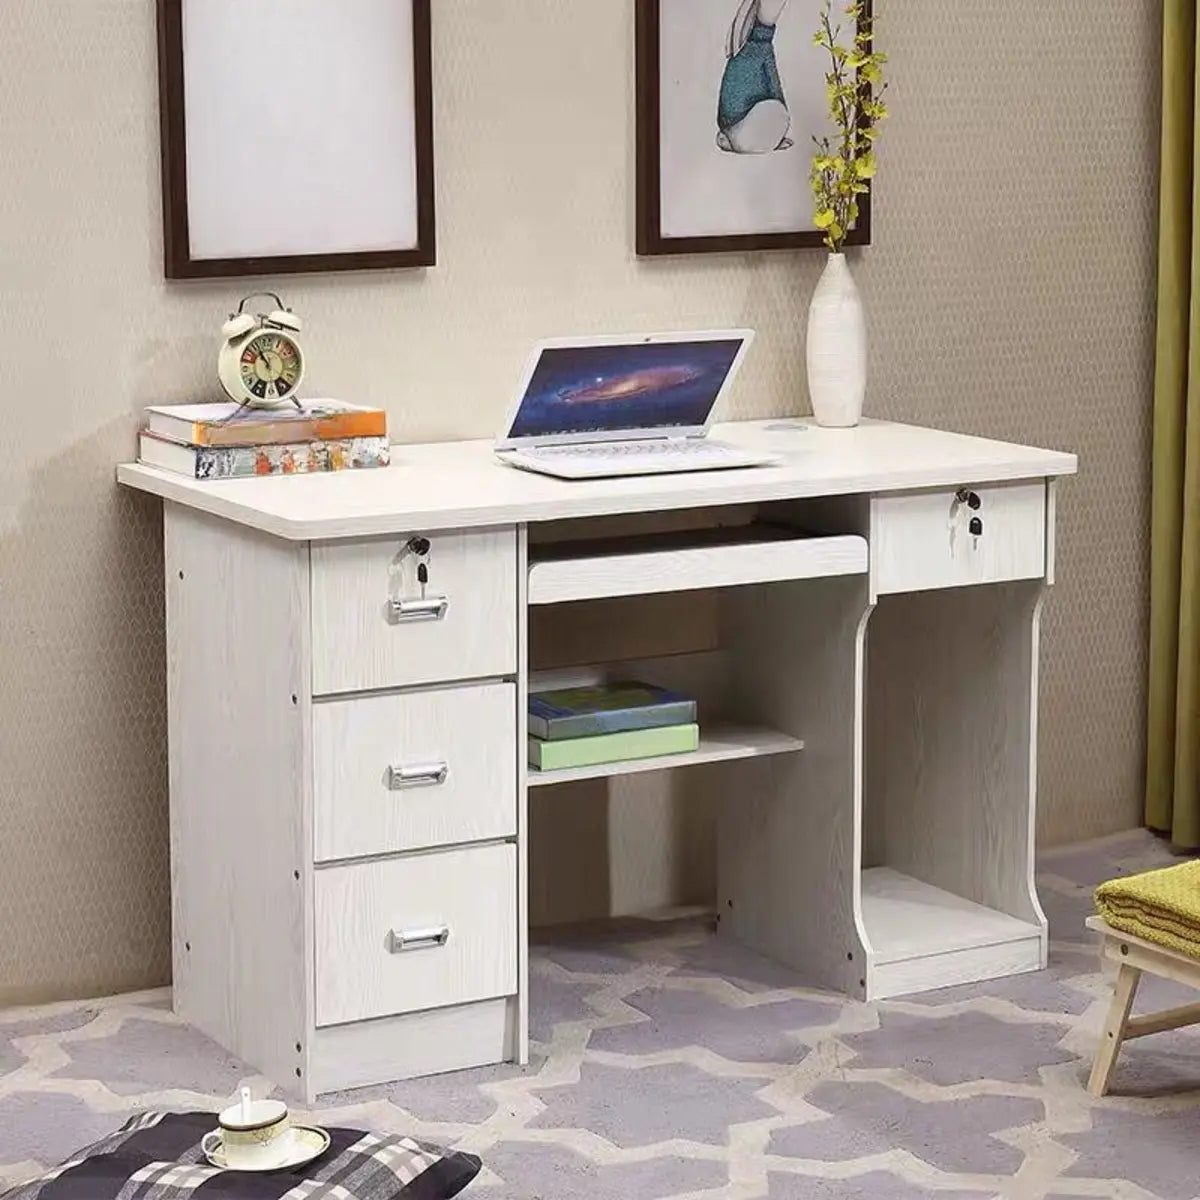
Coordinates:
<point>687,561</point>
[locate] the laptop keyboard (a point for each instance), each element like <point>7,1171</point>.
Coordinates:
<point>690,449</point>
<point>648,457</point>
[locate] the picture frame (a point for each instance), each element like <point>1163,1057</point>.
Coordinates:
<point>260,148</point>
<point>707,184</point>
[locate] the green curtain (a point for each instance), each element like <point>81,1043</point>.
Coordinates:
<point>1173,716</point>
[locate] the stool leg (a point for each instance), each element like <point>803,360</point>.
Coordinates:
<point>1114,1029</point>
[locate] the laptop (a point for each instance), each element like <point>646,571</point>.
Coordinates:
<point>594,407</point>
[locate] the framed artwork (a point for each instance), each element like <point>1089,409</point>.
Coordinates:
<point>729,96</point>
<point>297,136</point>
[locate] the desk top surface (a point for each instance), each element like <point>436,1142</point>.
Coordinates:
<point>456,485</point>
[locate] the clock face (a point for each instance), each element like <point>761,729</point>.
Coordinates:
<point>270,366</point>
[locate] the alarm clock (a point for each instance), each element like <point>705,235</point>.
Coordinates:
<point>261,364</point>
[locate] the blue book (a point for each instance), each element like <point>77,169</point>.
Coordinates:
<point>606,708</point>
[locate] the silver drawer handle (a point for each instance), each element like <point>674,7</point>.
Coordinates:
<point>402,940</point>
<point>420,775</point>
<point>432,608</point>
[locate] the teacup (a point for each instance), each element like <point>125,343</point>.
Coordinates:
<point>254,1134</point>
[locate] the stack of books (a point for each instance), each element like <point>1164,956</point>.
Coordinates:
<point>223,441</point>
<point>608,722</point>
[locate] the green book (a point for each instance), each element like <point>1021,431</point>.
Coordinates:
<point>612,747</point>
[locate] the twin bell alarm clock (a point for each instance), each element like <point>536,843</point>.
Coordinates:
<point>261,363</point>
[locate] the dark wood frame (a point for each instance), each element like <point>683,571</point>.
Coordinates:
<point>178,261</point>
<point>650,240</point>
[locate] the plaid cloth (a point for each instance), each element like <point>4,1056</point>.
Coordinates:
<point>157,1156</point>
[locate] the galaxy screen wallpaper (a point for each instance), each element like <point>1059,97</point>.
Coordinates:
<point>598,389</point>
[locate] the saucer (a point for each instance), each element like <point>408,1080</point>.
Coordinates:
<point>305,1144</point>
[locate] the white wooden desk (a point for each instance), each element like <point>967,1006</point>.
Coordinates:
<point>348,780</point>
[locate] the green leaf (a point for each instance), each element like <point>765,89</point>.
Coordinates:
<point>864,167</point>
<point>825,219</point>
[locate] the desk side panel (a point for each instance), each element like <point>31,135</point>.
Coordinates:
<point>788,830</point>
<point>238,696</point>
<point>521,1008</point>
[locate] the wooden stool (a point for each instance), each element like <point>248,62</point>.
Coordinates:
<point>1133,956</point>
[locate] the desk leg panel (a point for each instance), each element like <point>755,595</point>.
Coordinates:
<point>520,1008</point>
<point>788,828</point>
<point>238,701</point>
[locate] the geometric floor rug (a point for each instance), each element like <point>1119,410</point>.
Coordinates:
<point>668,1063</point>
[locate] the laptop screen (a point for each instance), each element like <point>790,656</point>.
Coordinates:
<point>608,389</point>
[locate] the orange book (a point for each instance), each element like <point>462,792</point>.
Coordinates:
<point>216,425</point>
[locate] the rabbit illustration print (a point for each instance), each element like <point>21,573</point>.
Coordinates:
<point>752,111</point>
<point>731,95</point>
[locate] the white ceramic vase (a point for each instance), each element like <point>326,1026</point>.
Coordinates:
<point>837,347</point>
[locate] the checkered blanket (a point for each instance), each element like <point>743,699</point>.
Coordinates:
<point>157,1156</point>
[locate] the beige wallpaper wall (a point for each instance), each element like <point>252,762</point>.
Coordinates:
<point>1009,292</point>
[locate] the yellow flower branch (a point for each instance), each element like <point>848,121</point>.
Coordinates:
<point>854,87</point>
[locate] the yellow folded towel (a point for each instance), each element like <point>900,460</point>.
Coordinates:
<point>1161,906</point>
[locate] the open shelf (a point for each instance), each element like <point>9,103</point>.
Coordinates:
<point>718,743</point>
<point>924,937</point>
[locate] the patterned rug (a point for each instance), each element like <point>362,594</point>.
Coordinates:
<point>670,1063</point>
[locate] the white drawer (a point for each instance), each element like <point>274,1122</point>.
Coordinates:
<point>915,548</point>
<point>410,771</point>
<point>371,628</point>
<point>404,935</point>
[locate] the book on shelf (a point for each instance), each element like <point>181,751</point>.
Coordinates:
<point>229,425</point>
<point>612,707</point>
<point>246,462</point>
<point>613,747</point>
